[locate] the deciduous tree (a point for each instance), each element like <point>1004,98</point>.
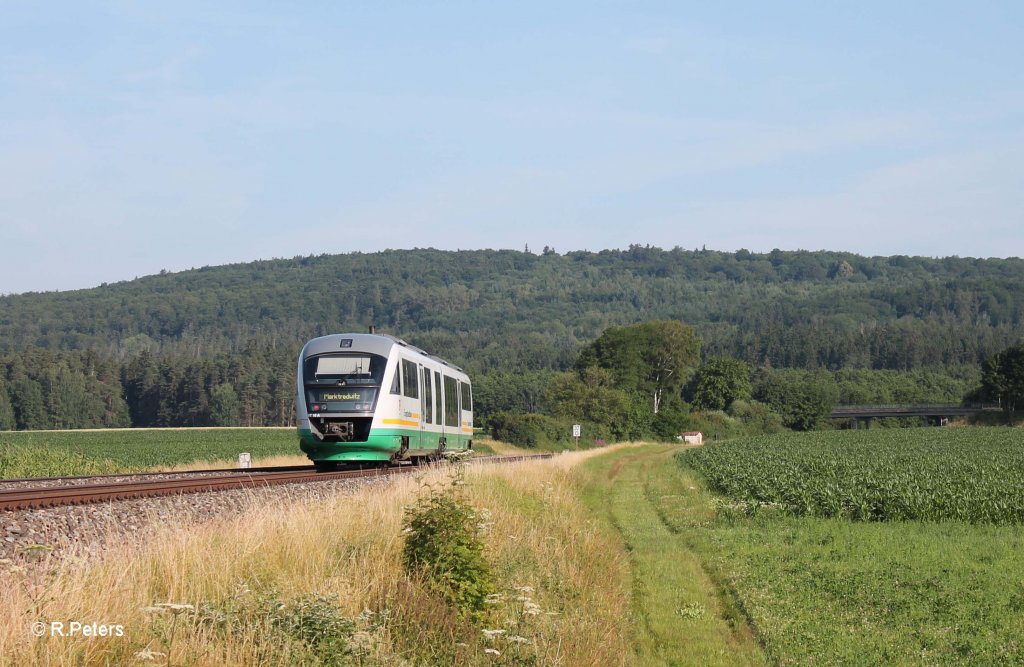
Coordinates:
<point>1002,379</point>
<point>719,382</point>
<point>653,358</point>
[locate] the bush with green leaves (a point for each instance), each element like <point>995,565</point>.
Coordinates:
<point>535,431</point>
<point>443,547</point>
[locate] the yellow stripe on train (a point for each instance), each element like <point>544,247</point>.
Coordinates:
<point>401,422</point>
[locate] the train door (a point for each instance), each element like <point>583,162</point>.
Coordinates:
<point>451,412</point>
<point>466,410</point>
<point>426,406</point>
<point>439,404</point>
<point>409,415</point>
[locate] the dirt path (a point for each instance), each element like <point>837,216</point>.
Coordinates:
<point>680,617</point>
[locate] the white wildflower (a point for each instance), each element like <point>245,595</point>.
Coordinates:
<point>492,651</point>
<point>491,634</point>
<point>360,642</point>
<point>516,639</point>
<point>175,607</point>
<point>531,608</point>
<point>149,654</point>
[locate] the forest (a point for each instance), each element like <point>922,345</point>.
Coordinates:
<point>217,345</point>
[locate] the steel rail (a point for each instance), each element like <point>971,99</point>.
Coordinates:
<point>55,496</point>
<point>107,475</point>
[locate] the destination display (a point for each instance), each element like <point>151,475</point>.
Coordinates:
<point>347,399</point>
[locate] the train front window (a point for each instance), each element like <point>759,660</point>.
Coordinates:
<point>345,369</point>
<point>343,382</point>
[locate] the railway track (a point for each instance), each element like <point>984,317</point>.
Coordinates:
<point>165,473</point>
<point>55,496</point>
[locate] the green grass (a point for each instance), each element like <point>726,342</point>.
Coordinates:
<point>964,474</point>
<point>46,453</point>
<point>833,591</point>
<point>679,618</point>
<point>481,449</point>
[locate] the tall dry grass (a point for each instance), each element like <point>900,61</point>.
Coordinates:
<point>564,584</point>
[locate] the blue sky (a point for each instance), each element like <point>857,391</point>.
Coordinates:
<point>138,136</point>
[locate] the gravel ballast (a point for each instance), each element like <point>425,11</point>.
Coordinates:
<point>28,535</point>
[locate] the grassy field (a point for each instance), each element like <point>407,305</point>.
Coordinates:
<point>677,615</point>
<point>322,583</point>
<point>611,557</point>
<point>830,590</point>
<point>51,453</point>
<point>90,452</point>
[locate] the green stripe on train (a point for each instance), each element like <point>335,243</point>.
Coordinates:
<point>379,446</point>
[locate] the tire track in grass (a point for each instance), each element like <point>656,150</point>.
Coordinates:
<point>679,615</point>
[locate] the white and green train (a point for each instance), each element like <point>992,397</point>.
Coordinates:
<point>371,397</point>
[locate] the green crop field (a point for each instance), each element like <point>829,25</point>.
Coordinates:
<point>963,474</point>
<point>51,453</point>
<point>872,547</point>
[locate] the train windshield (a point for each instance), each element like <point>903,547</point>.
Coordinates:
<point>345,369</point>
<point>343,382</point>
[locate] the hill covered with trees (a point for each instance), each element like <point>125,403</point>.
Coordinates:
<point>218,343</point>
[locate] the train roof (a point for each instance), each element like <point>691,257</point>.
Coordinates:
<point>374,343</point>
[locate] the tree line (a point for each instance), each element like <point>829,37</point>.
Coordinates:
<point>648,380</point>
<point>217,345</point>
<point>43,389</point>
<point>504,309</point>
<point>632,381</point>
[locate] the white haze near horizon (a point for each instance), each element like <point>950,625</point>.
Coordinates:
<point>137,138</point>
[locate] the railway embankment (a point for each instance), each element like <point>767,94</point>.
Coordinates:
<point>53,533</point>
<point>319,579</point>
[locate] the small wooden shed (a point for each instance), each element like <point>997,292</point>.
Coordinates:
<point>692,437</point>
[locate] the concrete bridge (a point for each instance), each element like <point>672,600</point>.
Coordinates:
<point>929,414</point>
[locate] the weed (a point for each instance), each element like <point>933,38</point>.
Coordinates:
<point>443,545</point>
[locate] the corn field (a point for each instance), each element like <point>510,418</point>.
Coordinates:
<point>974,475</point>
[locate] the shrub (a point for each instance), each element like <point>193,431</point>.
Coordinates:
<point>443,546</point>
<point>532,430</point>
<point>758,417</point>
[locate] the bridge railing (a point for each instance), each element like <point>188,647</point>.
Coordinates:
<point>913,407</point>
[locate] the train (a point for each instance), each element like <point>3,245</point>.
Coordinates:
<point>374,398</point>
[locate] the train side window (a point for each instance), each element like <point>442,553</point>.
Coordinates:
<point>411,379</point>
<point>437,392</point>
<point>396,383</point>
<point>451,401</point>
<point>467,397</point>
<point>428,396</point>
